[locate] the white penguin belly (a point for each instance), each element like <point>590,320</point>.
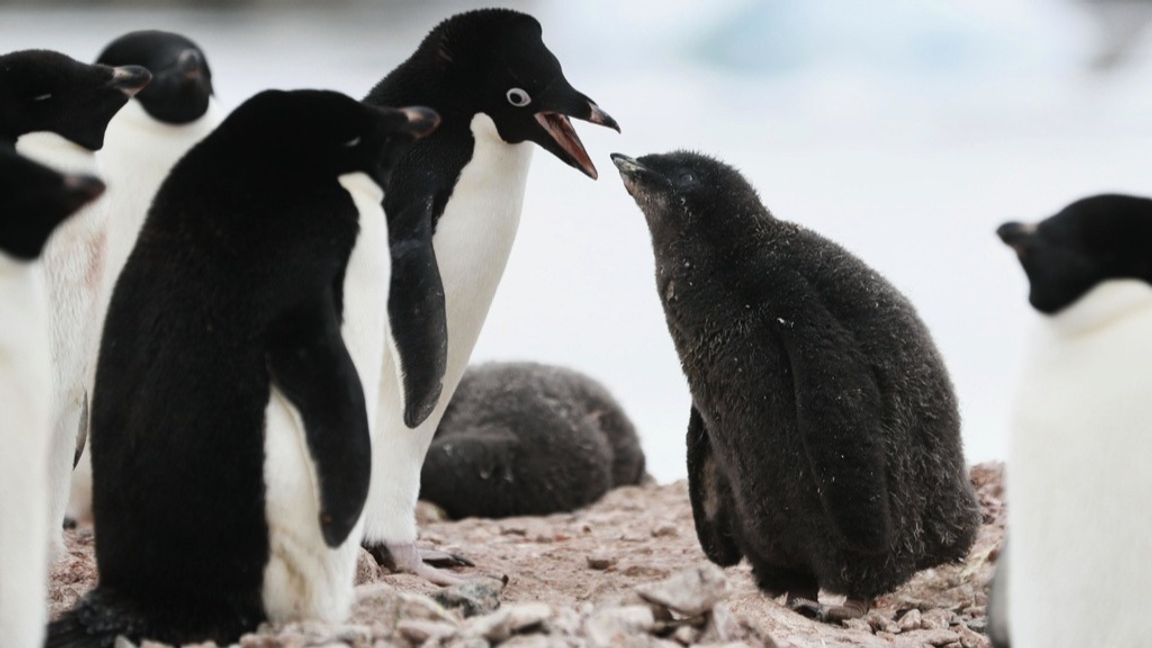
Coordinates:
<point>473,239</point>
<point>138,153</point>
<point>304,578</point>
<point>25,383</point>
<point>1079,487</point>
<point>71,262</point>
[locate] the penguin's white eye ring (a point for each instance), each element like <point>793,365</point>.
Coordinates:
<point>43,97</point>
<point>352,142</point>
<point>518,97</point>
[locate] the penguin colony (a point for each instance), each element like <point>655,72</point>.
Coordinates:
<point>298,285</point>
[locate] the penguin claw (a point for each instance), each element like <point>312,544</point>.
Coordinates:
<point>425,563</point>
<point>851,609</point>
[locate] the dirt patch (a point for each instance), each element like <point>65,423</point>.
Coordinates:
<point>626,571</point>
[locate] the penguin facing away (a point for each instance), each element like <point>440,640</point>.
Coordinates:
<point>142,143</point>
<point>521,438</point>
<point>824,437</point>
<point>34,200</point>
<point>499,90</point>
<point>55,110</point>
<point>1077,477</point>
<point>230,434</point>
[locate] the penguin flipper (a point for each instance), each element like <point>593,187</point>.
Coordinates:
<point>711,498</point>
<point>416,312</point>
<point>308,362</point>
<point>837,413</point>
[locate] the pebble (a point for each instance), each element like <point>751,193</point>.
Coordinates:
<point>881,623</point>
<point>686,635</point>
<point>665,531</point>
<point>419,631</point>
<point>473,598</point>
<point>609,627</point>
<point>936,619</point>
<point>691,593</point>
<point>601,561</point>
<point>911,620</point>
<point>934,637</point>
<point>509,620</point>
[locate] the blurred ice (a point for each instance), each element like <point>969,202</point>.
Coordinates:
<point>905,129</point>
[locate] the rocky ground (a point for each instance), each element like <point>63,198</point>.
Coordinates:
<point>624,572</point>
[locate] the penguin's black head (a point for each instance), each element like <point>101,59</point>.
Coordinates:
<point>1090,241</point>
<point>42,90</point>
<point>682,189</point>
<point>312,131</point>
<point>495,62</point>
<point>181,80</point>
<point>34,200</point>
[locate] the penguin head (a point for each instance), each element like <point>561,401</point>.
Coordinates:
<point>181,80</point>
<point>319,131</point>
<point>34,200</point>
<point>495,62</point>
<point>42,90</point>
<point>1090,241</point>
<point>683,190</point>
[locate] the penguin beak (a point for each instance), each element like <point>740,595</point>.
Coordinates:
<point>556,108</point>
<point>632,172</point>
<point>130,79</point>
<point>1015,235</point>
<point>421,121</point>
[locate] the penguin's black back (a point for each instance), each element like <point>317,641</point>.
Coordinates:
<point>248,227</point>
<point>528,439</point>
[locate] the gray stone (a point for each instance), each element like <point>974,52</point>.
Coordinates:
<point>601,561</point>
<point>610,627</point>
<point>475,597</point>
<point>912,620</point>
<point>509,620</point>
<point>691,593</point>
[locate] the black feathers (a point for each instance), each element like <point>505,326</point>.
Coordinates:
<point>824,445</point>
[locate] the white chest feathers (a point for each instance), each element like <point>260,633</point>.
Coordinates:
<point>1078,478</point>
<point>474,235</point>
<point>24,436</point>
<point>138,153</point>
<point>304,578</point>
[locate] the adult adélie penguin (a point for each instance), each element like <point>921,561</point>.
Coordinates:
<point>499,90</point>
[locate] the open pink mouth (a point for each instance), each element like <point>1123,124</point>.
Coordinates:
<point>560,128</point>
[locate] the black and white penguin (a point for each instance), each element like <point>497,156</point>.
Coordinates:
<point>34,200</point>
<point>55,110</point>
<point>1077,473</point>
<point>522,438</point>
<point>824,437</point>
<point>142,143</point>
<point>230,438</point>
<point>499,90</point>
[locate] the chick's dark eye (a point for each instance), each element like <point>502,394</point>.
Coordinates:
<point>518,97</point>
<point>687,178</point>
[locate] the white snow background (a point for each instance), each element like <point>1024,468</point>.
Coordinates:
<point>907,130</point>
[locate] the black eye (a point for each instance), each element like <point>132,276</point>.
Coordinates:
<point>518,97</point>
<point>687,178</point>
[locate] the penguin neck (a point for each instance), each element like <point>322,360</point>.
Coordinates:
<point>474,236</point>
<point>1108,302</point>
<point>56,152</point>
<point>133,121</point>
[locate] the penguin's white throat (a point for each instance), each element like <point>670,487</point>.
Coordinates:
<point>1107,302</point>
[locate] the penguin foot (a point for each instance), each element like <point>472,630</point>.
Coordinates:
<point>410,559</point>
<point>853,608</point>
<point>808,607</point>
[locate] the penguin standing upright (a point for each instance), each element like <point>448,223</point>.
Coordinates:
<point>499,90</point>
<point>142,143</point>
<point>824,436</point>
<point>1077,476</point>
<point>55,110</point>
<point>230,434</point>
<point>34,200</point>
